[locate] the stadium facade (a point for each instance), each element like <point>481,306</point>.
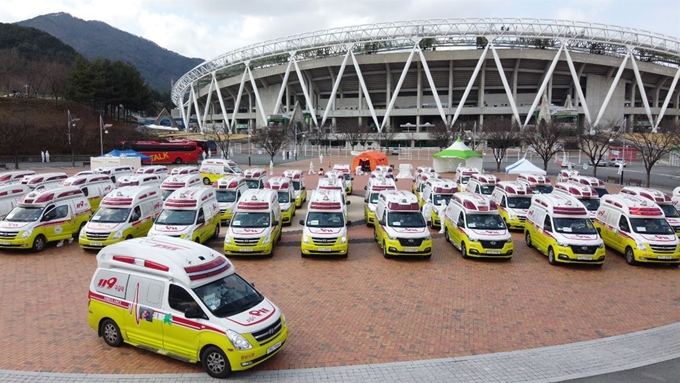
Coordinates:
<point>406,76</point>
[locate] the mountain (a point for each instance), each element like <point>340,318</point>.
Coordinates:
<point>95,39</point>
<point>35,45</point>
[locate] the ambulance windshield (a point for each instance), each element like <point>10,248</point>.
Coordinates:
<point>486,189</point>
<point>284,197</point>
<point>24,214</point>
<point>374,198</point>
<point>110,215</point>
<point>591,204</point>
<point>176,217</point>
<point>438,198</point>
<point>410,219</point>
<point>242,219</point>
<point>228,296</point>
<point>542,189</point>
<point>325,219</point>
<point>166,193</point>
<point>253,183</point>
<point>519,202</point>
<point>296,185</point>
<point>601,191</point>
<point>485,221</point>
<point>574,226</point>
<point>651,226</point>
<point>226,196</point>
<point>670,211</point>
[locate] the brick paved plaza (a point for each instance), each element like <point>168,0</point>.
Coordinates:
<point>343,312</point>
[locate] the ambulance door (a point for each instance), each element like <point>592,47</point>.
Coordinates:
<point>58,222</point>
<point>181,335</point>
<point>136,220</point>
<point>144,321</point>
<point>201,225</point>
<point>616,239</point>
<point>459,228</point>
<point>542,240</point>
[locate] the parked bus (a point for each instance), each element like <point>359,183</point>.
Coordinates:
<point>178,152</point>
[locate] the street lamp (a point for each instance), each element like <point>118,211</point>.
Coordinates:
<point>249,149</point>
<point>102,128</point>
<point>71,121</point>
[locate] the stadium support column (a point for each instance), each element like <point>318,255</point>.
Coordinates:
<point>365,90</point>
<point>393,99</point>
<point>193,94</point>
<point>258,100</point>
<point>668,99</point>
<point>643,94</point>
<point>336,85</point>
<point>611,89</point>
<point>303,85</point>
<point>548,75</point>
<point>433,88</point>
<point>208,99</point>
<point>237,103</point>
<point>480,91</point>
<point>225,116</point>
<point>576,78</point>
<point>504,80</point>
<point>470,84</point>
<point>284,89</point>
<point>449,99</point>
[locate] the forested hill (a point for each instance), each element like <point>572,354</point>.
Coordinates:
<point>95,39</point>
<point>35,45</point>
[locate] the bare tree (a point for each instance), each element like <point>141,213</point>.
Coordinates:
<point>546,139</point>
<point>320,136</point>
<point>354,134</point>
<point>594,142</point>
<point>383,138</point>
<point>500,134</point>
<point>56,77</point>
<point>651,147</point>
<point>443,135</point>
<point>15,136</point>
<point>271,139</point>
<point>222,133</point>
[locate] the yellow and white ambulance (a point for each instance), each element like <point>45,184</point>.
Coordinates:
<point>174,182</point>
<point>94,186</point>
<point>482,183</point>
<point>44,180</point>
<point>565,175</point>
<point>421,179</point>
<point>585,194</point>
<point>373,188</point>
<point>183,300</point>
<point>284,188</point>
<point>558,226</point>
<point>182,170</point>
<point>593,182</point>
<point>256,226</point>
<point>255,178</point>
<point>437,191</point>
<point>675,199</point>
<point>43,216</point>
<point>139,180</point>
<point>418,171</point>
<point>462,176</point>
<point>346,175</point>
<point>124,213</point>
<point>662,199</point>
<point>298,180</point>
<point>159,170</point>
<point>9,197</point>
<point>538,183</point>
<point>335,184</point>
<point>325,226</point>
<point>636,227</point>
<point>399,227</point>
<point>340,176</point>
<point>190,213</point>
<point>513,200</point>
<point>229,190</point>
<point>213,169</point>
<point>473,226</point>
<point>14,177</point>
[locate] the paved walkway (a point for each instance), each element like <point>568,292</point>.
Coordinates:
<point>546,364</point>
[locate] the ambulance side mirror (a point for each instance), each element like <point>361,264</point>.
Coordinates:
<point>352,179</point>
<point>304,188</point>
<point>302,222</point>
<point>275,223</point>
<point>366,199</point>
<point>349,223</point>
<point>348,202</point>
<point>366,187</point>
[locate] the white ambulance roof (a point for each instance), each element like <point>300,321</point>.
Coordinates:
<point>329,183</point>
<point>326,200</point>
<point>85,179</point>
<point>44,177</point>
<point>137,179</point>
<point>560,204</point>
<point>651,194</point>
<point>569,173</point>
<point>381,183</point>
<point>229,182</point>
<point>127,196</point>
<point>442,186</point>
<point>278,183</point>
<point>43,197</point>
<point>467,171</point>
<point>152,169</point>
<point>182,180</point>
<point>257,199</point>
<point>114,169</point>
<point>254,173</point>
<point>475,203</point>
<point>184,170</point>
<point>576,190</point>
<point>533,178</point>
<point>485,178</point>
<point>293,174</point>
<point>341,167</point>
<point>632,205</point>
<point>513,188</point>
<point>587,180</point>
<point>218,161</point>
<point>189,197</point>
<point>186,262</point>
<point>399,200</point>
<point>12,175</point>
<point>15,190</point>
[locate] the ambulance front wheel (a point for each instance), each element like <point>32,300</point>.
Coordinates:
<point>551,256</point>
<point>111,333</point>
<point>215,363</point>
<point>39,243</point>
<point>463,250</point>
<point>527,238</point>
<point>630,256</point>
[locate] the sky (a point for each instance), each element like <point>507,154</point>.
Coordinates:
<point>208,28</point>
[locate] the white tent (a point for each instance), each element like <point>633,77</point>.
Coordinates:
<point>458,154</point>
<point>524,166</point>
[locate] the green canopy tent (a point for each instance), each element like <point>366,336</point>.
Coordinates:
<point>458,154</point>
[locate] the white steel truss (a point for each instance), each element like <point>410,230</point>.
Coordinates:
<point>546,79</point>
<point>303,84</point>
<point>611,91</point>
<point>225,123</point>
<point>508,92</point>
<point>433,88</point>
<point>576,77</point>
<point>667,100</point>
<point>364,89</point>
<point>641,85</point>
<point>456,31</point>
<point>393,99</point>
<point>336,85</point>
<point>284,84</point>
<point>470,84</point>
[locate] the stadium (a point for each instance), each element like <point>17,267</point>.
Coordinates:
<point>406,77</point>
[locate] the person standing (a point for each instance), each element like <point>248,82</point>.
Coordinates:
<point>203,154</point>
<point>47,156</point>
<point>42,156</point>
<point>320,159</point>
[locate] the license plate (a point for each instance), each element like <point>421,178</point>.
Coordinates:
<point>245,250</point>
<point>584,258</point>
<point>324,249</point>
<point>96,244</point>
<point>664,257</point>
<point>273,348</point>
<point>411,250</point>
<point>493,252</point>
<point>5,243</point>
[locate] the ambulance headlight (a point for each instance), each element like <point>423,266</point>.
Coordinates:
<point>188,235</point>
<point>119,234</point>
<point>601,245</point>
<point>371,208</point>
<point>239,342</point>
<point>562,244</point>
<point>27,233</point>
<point>427,238</point>
<point>266,239</point>
<point>227,238</point>
<point>640,245</point>
<point>513,216</point>
<point>473,239</point>
<point>305,239</point>
<point>82,234</point>
<point>343,239</point>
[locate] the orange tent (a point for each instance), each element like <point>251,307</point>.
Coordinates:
<point>369,160</point>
